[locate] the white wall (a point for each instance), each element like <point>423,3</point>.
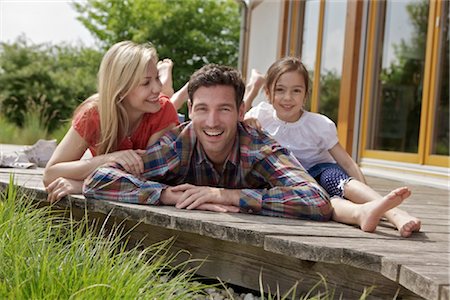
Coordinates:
<point>263,41</point>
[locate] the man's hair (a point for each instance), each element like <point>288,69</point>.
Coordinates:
<point>212,75</point>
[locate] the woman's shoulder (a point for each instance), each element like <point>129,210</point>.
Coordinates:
<point>88,108</point>
<point>166,104</point>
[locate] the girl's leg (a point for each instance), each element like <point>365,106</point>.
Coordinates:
<point>359,192</point>
<point>367,215</point>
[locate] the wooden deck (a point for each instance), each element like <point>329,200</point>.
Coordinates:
<point>240,247</point>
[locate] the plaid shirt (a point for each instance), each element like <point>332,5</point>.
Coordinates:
<point>271,181</point>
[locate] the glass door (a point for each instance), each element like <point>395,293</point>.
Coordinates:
<point>406,115</point>
<point>398,84</point>
<point>437,142</point>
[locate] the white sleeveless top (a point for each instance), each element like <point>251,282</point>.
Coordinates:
<point>309,138</point>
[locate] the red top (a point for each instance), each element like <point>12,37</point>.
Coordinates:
<point>87,124</point>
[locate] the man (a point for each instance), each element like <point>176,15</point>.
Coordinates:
<point>215,162</point>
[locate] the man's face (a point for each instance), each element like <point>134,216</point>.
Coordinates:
<point>215,118</point>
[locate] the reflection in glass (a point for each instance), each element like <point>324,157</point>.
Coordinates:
<point>310,31</point>
<point>440,133</point>
<point>332,56</point>
<point>397,109</point>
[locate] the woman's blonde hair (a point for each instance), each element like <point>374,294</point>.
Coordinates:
<point>121,70</point>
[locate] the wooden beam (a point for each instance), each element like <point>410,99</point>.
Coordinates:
<point>350,66</point>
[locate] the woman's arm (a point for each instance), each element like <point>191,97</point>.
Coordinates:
<point>65,161</point>
<point>346,162</point>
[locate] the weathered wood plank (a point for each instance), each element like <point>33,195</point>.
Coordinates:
<point>424,280</point>
<point>239,246</point>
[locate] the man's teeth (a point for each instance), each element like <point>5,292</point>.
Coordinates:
<point>213,132</point>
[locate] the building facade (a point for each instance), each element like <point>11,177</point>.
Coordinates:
<point>379,69</point>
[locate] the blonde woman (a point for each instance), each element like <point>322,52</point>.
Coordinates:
<point>128,113</point>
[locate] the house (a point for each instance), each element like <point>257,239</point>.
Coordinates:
<point>379,69</point>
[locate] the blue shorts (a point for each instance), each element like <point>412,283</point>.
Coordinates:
<point>331,177</point>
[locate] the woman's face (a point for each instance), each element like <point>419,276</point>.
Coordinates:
<point>288,96</point>
<point>144,98</point>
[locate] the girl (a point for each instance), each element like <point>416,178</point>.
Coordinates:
<point>128,113</point>
<point>313,140</point>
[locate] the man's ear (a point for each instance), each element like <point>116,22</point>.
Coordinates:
<point>189,103</point>
<point>241,112</point>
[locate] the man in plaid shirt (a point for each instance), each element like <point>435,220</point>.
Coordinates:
<point>215,162</point>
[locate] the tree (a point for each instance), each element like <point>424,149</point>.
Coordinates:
<point>190,32</point>
<point>51,80</point>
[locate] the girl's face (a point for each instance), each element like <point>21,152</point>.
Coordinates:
<point>144,98</point>
<point>288,96</point>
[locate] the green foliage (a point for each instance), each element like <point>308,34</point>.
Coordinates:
<point>329,94</point>
<point>190,32</point>
<point>8,131</point>
<point>55,78</point>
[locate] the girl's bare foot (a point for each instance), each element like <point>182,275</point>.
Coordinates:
<point>165,67</point>
<point>404,222</point>
<point>371,212</point>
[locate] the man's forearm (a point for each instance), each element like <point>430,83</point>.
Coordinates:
<point>114,184</point>
<point>302,202</point>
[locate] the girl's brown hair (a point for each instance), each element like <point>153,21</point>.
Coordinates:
<point>281,66</point>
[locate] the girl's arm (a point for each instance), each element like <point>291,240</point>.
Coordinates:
<point>65,161</point>
<point>346,162</point>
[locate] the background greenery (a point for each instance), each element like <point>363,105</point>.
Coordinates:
<point>45,82</point>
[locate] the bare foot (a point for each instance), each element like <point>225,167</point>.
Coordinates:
<point>371,212</point>
<point>165,67</point>
<point>404,222</point>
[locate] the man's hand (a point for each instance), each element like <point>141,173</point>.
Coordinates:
<point>189,196</point>
<point>62,187</point>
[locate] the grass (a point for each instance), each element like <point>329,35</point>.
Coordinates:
<point>43,256</point>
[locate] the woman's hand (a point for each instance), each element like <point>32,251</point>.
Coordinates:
<point>62,187</point>
<point>130,160</point>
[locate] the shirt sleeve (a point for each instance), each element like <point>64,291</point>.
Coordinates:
<point>112,182</point>
<point>328,131</point>
<point>87,124</point>
<point>293,192</point>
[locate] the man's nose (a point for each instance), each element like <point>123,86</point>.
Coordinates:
<point>212,118</point>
